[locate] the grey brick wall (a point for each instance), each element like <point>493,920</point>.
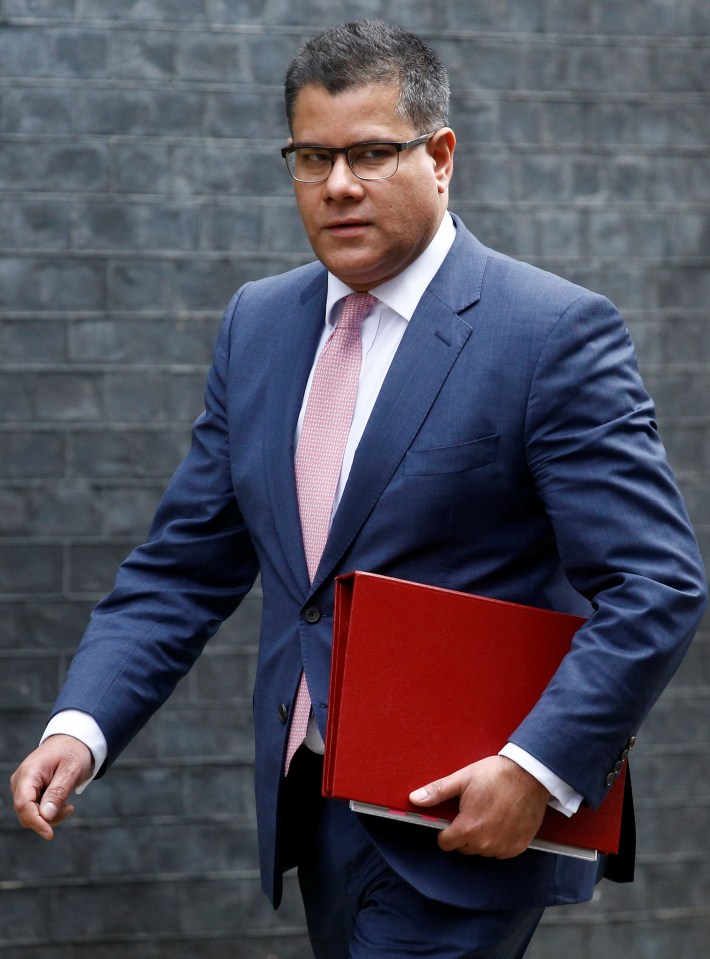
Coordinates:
<point>139,186</point>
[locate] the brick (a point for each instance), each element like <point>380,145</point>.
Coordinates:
<point>565,121</point>
<point>480,65</point>
<point>32,224</point>
<point>210,283</point>
<point>27,165</point>
<point>216,169</point>
<point>153,340</point>
<point>626,234</point>
<point>236,226</point>
<point>13,512</point>
<point>652,17</point>
<point>230,789</point>
<point>185,11</point>
<point>630,178</point>
<point>128,512</point>
<point>512,232</point>
<point>683,338</point>
<point>520,122</point>
<point>147,397</point>
<point>485,176</point>
<point>79,52</point>
<point>92,567</point>
<point>570,16</point>
<point>26,567</point>
<point>134,453</point>
<point>43,624</point>
<point>40,455</point>
<point>139,112</point>
<point>27,679</point>
<point>680,179</point>
<point>283,230</point>
<point>31,111</point>
<point>40,8</point>
<point>209,56</point>
<point>683,70</point>
<point>148,54</point>
<point>560,233</point>
<point>140,167</point>
<point>682,286</point>
<point>234,11</point>
<point>475,120</point>
<point>57,509</point>
<point>681,393</point>
<point>258,116</point>
<point>51,282</point>
<point>205,732</point>
<point>139,284</point>
<point>33,341</point>
<point>542,178</point>
<point>316,15</point>
<point>589,181</point>
<point>135,226</point>
<point>222,674</point>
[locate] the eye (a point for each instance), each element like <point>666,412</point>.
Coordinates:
<point>372,154</point>
<point>313,157</point>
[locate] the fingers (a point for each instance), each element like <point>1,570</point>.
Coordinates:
<point>435,792</point>
<point>43,782</point>
<point>500,808</point>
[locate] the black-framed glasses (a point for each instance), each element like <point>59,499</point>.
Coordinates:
<point>373,160</point>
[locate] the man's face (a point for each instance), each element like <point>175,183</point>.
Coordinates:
<point>367,231</point>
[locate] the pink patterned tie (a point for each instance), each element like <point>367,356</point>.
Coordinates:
<point>319,457</point>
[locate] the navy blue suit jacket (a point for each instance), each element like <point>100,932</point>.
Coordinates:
<point>512,452</point>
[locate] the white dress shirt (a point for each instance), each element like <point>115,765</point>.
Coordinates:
<point>381,331</point>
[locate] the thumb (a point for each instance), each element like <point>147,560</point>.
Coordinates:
<point>435,792</point>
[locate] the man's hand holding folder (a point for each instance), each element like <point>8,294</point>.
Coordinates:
<point>501,807</point>
<point>428,683</point>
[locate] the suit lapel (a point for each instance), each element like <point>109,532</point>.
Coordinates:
<point>291,363</point>
<point>433,340</point>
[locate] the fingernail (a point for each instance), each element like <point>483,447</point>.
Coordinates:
<point>420,795</point>
<point>49,811</point>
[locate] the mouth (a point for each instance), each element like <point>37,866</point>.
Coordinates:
<point>346,228</point>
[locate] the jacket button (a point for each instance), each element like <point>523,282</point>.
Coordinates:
<point>312,614</point>
<point>283,712</point>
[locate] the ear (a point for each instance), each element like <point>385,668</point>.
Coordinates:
<point>441,149</point>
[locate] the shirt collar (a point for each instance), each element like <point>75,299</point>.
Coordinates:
<point>403,292</point>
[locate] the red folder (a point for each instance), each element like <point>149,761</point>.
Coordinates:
<point>425,681</point>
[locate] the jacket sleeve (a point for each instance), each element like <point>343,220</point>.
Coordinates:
<point>624,539</point>
<point>172,593</point>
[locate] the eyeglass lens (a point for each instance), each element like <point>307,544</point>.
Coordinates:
<point>372,161</point>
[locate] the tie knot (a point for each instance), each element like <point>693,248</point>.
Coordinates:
<point>356,306</point>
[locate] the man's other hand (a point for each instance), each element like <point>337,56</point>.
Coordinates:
<point>43,783</point>
<point>500,808</point>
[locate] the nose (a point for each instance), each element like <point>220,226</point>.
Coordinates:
<point>342,182</point>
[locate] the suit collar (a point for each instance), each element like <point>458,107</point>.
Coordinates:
<point>433,340</point>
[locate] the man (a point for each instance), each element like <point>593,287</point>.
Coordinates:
<point>497,440</point>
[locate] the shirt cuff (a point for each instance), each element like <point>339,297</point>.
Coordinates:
<point>564,799</point>
<point>73,722</point>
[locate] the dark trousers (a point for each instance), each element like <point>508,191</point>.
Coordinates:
<point>357,907</point>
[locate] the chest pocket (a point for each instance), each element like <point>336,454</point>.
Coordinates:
<point>452,459</point>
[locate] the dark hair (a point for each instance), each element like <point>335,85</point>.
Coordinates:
<point>372,51</point>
